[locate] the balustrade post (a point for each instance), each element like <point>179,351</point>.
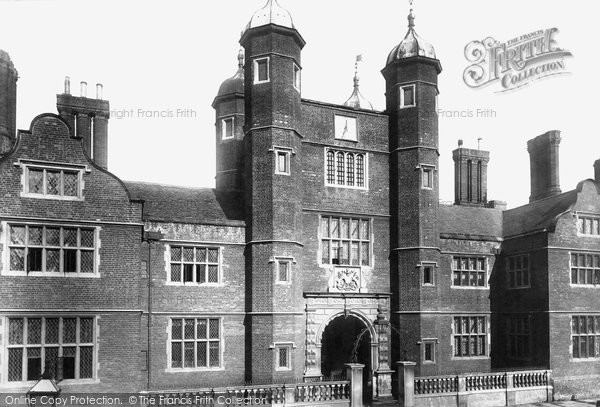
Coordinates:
<point>549,386</point>
<point>354,372</point>
<point>461,396</point>
<point>511,395</point>
<point>289,395</point>
<point>406,383</point>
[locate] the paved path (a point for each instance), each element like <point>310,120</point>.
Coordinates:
<point>565,403</point>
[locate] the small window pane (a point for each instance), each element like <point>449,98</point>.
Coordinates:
<point>176,327</point>
<point>202,353</point>
<point>70,261</point>
<point>176,253</point>
<point>51,330</point>
<point>408,96</point>
<point>86,334</point>
<point>70,237</point>
<point>70,184</point>
<point>201,329</point>
<point>87,261</point>
<point>214,328</point>
<point>176,272</point>
<point>188,254</point>
<point>213,274</point>
<point>35,236</point>
<point>15,365</point>
<point>189,328</point>
<point>87,238</point>
<point>176,354</point>
<point>86,366</point>
<point>214,353</point>
<point>69,330</point>
<point>17,235</point>
<point>34,330</point>
<point>36,181</point>
<point>15,331</point>
<point>52,182</point>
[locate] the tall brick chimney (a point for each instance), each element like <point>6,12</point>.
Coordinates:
<point>543,159</point>
<point>88,119</point>
<point>8,102</point>
<point>470,176</point>
<point>597,170</point>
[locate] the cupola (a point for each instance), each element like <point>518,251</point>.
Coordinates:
<point>412,45</point>
<point>271,13</point>
<point>356,99</point>
<point>235,84</point>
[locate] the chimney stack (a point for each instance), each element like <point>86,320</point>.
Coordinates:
<point>8,102</point>
<point>597,171</point>
<point>88,119</point>
<point>470,175</point>
<point>543,159</point>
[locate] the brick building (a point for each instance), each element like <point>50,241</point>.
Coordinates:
<point>324,242</point>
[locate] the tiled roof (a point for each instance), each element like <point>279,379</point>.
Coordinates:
<point>470,221</point>
<point>538,215</point>
<point>171,203</point>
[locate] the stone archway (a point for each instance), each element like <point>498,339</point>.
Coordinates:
<point>347,339</point>
<point>323,308</point>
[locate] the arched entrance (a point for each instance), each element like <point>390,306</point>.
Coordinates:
<point>346,339</point>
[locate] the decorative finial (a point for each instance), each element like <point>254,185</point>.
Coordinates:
<point>241,58</point>
<point>411,16</point>
<point>356,78</point>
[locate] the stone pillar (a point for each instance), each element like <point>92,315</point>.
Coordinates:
<point>354,372</point>
<point>511,396</point>
<point>550,386</point>
<point>406,383</point>
<point>462,398</point>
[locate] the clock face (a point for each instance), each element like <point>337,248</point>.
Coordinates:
<point>345,128</point>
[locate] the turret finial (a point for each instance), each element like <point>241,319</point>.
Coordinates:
<point>411,16</point>
<point>241,58</point>
<point>356,77</point>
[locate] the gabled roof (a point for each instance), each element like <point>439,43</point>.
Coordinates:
<point>470,221</point>
<point>538,215</point>
<point>169,203</point>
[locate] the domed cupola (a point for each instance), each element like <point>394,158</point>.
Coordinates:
<point>412,45</point>
<point>356,99</point>
<point>235,84</point>
<point>271,13</point>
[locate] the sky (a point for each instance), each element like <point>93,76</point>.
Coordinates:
<point>171,56</point>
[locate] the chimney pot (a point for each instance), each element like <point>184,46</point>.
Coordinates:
<point>67,85</point>
<point>83,90</point>
<point>597,170</point>
<point>99,91</point>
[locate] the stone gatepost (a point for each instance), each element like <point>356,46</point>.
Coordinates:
<point>354,373</point>
<point>406,383</point>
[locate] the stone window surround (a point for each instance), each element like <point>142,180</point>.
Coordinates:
<point>50,165</point>
<point>221,340</point>
<point>167,259</point>
<point>4,241</point>
<point>94,343</point>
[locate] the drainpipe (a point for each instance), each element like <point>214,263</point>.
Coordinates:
<point>150,238</point>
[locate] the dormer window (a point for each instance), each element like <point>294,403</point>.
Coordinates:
<point>407,96</point>
<point>261,70</point>
<point>227,128</point>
